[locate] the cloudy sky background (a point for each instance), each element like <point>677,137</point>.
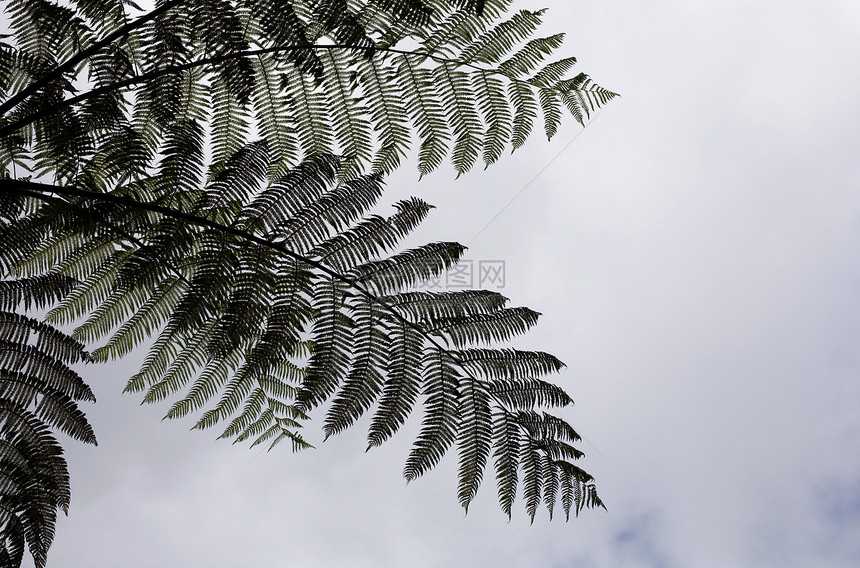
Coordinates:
<point>696,255</point>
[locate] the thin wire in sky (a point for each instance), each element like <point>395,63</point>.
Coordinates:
<point>531,181</point>
<point>520,192</point>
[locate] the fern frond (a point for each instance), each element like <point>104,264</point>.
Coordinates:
<point>525,112</point>
<point>331,332</point>
<point>455,94</point>
<point>206,386</point>
<point>551,483</point>
<point>334,210</point>
<point>38,392</point>
<point>143,323</point>
<point>351,129</point>
<point>437,306</point>
<point>184,366</point>
<point>441,417</point>
<point>230,122</point>
<point>503,38</point>
<point>402,384</point>
<point>428,116</point>
<point>529,393</point>
<point>507,439</point>
<point>552,73</point>
<point>509,363</point>
<point>364,380</point>
<point>407,269</point>
<point>530,56</point>
<point>474,438</point>
<point>546,426</point>
<point>533,476</point>
<point>311,113</point>
<point>487,328</point>
<point>550,104</point>
<point>582,97</point>
<point>386,113</point>
<point>36,292</point>
<point>275,124</point>
<point>490,96</point>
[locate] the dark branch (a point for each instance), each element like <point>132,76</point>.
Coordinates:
<point>41,191</point>
<point>82,55</point>
<point>137,79</point>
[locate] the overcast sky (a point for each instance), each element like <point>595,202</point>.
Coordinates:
<point>696,255</point>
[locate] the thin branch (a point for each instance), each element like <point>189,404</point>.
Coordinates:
<point>82,55</point>
<point>39,191</point>
<point>30,118</point>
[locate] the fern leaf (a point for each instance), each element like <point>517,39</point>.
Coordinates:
<point>551,483</point>
<point>363,382</point>
<point>530,56</point>
<point>454,93</point>
<point>402,385</point>
<point>474,438</point>
<point>546,426</point>
<point>441,419</point>
<point>581,96</point>
<point>533,476</point>
<point>529,393</point>
<point>409,268</point>
<point>501,40</point>
<point>143,323</point>
<point>206,386</point>
<point>386,113</point>
<point>331,333</point>
<point>336,209</point>
<point>525,112</point>
<point>425,110</point>
<point>36,292</point>
<point>550,104</point>
<point>507,441</point>
<point>509,363</point>
<point>434,306</point>
<point>275,124</point>
<point>295,190</point>
<point>552,73</point>
<point>490,96</point>
<point>487,328</point>
<point>351,129</point>
<point>311,113</point>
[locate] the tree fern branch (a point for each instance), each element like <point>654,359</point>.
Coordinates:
<point>51,110</point>
<point>83,55</point>
<point>40,191</point>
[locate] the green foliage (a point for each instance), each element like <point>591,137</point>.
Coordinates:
<point>203,179</point>
<point>38,392</point>
<point>249,332</point>
<point>309,79</point>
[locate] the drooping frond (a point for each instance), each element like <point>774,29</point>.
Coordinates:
<point>441,419</point>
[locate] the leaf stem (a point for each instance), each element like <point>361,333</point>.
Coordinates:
<point>40,191</point>
<point>48,111</point>
<point>82,55</point>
